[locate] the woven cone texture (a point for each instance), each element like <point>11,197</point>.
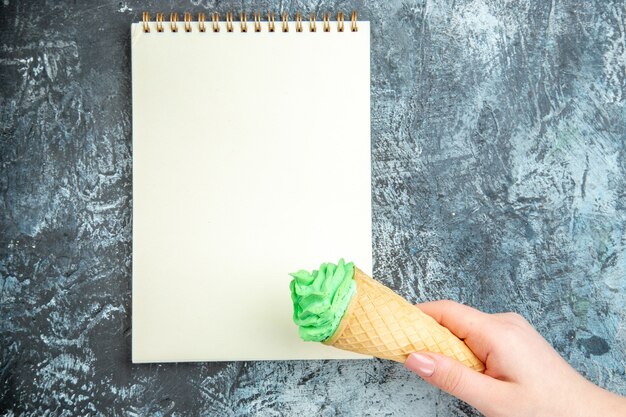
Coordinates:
<point>380,323</point>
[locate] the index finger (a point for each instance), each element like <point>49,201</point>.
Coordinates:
<point>462,320</point>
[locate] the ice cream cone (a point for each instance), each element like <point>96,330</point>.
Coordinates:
<point>378,322</point>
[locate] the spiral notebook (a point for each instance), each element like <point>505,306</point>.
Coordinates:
<point>251,159</point>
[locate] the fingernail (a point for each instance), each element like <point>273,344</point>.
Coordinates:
<point>421,364</point>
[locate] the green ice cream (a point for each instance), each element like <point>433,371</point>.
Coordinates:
<point>321,298</point>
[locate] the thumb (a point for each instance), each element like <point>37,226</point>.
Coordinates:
<point>453,377</point>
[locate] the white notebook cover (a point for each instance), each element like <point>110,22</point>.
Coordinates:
<point>251,159</point>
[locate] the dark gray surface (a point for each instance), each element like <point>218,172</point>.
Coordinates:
<point>499,178</point>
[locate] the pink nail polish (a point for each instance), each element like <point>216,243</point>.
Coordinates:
<point>421,364</point>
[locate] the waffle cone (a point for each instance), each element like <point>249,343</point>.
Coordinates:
<point>378,322</point>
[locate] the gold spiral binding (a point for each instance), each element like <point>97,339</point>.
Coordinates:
<point>298,22</point>
<point>173,20</point>
<point>145,21</point>
<point>326,19</point>
<point>243,22</point>
<point>285,18</point>
<point>229,22</point>
<point>159,22</point>
<point>215,20</point>
<point>257,21</point>
<point>340,19</point>
<point>201,25</point>
<point>187,19</point>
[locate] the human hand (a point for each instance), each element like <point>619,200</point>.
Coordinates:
<point>524,375</point>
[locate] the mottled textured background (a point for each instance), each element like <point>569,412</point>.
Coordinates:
<point>499,180</point>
